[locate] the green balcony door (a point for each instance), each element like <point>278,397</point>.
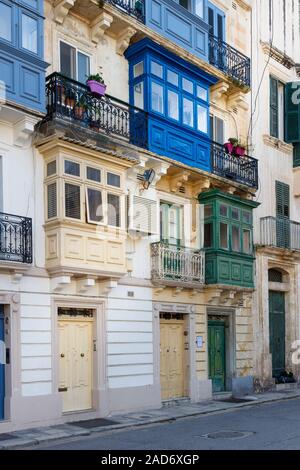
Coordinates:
<point>277,331</point>
<point>217,355</point>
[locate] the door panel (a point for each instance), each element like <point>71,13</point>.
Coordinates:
<point>172,359</point>
<point>75,364</point>
<point>2,366</point>
<point>277,331</point>
<point>216,353</point>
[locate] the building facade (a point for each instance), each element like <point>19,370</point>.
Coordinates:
<point>140,286</point>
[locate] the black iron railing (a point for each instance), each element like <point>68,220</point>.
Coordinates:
<point>242,170</point>
<point>229,60</point>
<point>134,8</point>
<point>15,238</point>
<point>280,232</point>
<point>73,101</point>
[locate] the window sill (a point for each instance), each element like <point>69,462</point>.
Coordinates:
<point>279,144</point>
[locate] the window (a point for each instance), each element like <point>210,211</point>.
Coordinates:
<point>157,98</point>
<point>72,201</point>
<point>72,168</point>
<point>138,69</point>
<point>199,8</point>
<point>171,223</point>
<point>29,33</point>
<point>223,236</point>
<point>157,69</point>
<point>247,217</point>
<point>173,105</point>
<point>113,180</point>
<point>187,86</point>
<point>208,235</point>
<point>276,108</point>
<point>247,241</point>
<point>201,93</point>
<point>94,205</point>
<point>113,210</point>
<point>172,77</point>
<point>235,241</point>
<point>5,22</point>
<point>235,213</point>
<point>202,118</point>
<point>51,168</point>
<point>74,64</point>
<point>188,112</point>
<point>217,130</point>
<point>93,174</point>
<point>51,200</point>
<point>223,210</point>
<point>139,95</point>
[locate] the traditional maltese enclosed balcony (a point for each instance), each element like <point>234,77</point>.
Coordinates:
<point>280,232</point>
<point>177,266</point>
<point>15,238</point>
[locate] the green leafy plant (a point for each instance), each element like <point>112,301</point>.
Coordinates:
<point>233,141</point>
<point>96,77</point>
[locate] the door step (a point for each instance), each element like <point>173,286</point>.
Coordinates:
<point>286,387</point>
<point>176,401</point>
<point>222,395</point>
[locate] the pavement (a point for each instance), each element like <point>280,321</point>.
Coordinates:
<point>134,420</point>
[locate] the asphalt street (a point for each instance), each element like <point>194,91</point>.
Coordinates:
<point>273,426</point>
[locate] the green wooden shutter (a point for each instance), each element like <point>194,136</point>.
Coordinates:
<point>273,107</point>
<point>297,154</point>
<point>282,215</point>
<point>292,112</point>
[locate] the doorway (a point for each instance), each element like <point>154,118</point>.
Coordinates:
<point>217,355</point>
<point>277,331</point>
<point>2,366</point>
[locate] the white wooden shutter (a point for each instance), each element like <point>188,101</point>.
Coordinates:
<point>142,215</point>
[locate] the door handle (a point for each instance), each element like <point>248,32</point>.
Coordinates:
<point>82,354</point>
<point>63,389</point>
<point>62,355</point>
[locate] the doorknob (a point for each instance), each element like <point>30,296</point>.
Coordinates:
<point>62,355</point>
<point>82,354</point>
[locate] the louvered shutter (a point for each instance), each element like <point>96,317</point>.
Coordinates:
<point>273,107</point>
<point>282,214</point>
<point>142,215</point>
<point>292,112</point>
<point>51,201</point>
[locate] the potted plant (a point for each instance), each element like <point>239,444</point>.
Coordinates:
<point>80,107</point>
<point>139,7</point>
<point>229,146</point>
<point>239,149</point>
<point>96,84</point>
<point>70,98</point>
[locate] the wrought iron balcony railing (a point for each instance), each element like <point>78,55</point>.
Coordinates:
<point>280,232</point>
<point>134,8</point>
<point>229,60</point>
<point>15,238</point>
<point>177,265</point>
<point>242,170</point>
<point>71,100</point>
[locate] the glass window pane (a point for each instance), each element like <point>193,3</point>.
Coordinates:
<point>208,235</point>
<point>157,69</point>
<point>173,105</point>
<point>72,201</point>
<point>93,174</point>
<point>113,210</point>
<point>172,77</point>
<point>5,21</point>
<point>68,60</point>
<point>202,118</point>
<point>138,69</point>
<point>201,93</point>
<point>95,208</point>
<point>51,168</point>
<point>51,200</point>
<point>157,98</point>
<point>188,112</point>
<point>236,242</point>
<point>223,236</point>
<point>29,33</point>
<point>187,85</point>
<point>113,180</point>
<point>139,95</point>
<point>223,210</point>
<point>247,241</point>
<point>185,4</point>
<point>72,168</point>
<point>83,67</point>
<point>208,210</point>
<point>199,8</point>
<point>247,217</point>
<point>235,213</point>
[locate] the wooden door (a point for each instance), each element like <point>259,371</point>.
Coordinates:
<point>75,363</point>
<point>216,355</point>
<point>277,331</point>
<point>2,366</point>
<point>172,359</point>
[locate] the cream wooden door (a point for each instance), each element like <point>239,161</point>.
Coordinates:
<point>75,363</point>
<point>172,358</point>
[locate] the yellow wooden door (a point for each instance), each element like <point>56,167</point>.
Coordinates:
<point>172,358</point>
<point>75,363</point>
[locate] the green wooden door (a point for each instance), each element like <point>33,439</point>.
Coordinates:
<point>277,331</point>
<point>216,355</point>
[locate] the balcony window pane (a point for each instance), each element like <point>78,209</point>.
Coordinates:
<point>138,69</point>
<point>68,60</point>
<point>188,112</point>
<point>223,210</point>
<point>199,8</point>
<point>5,22</point>
<point>247,217</point>
<point>113,180</point>
<point>185,4</point>
<point>187,85</point>
<point>93,174</point>
<point>83,64</point>
<point>51,200</point>
<point>208,210</point>
<point>172,77</point>
<point>173,105</point>
<point>113,210</point>
<point>235,214</point>
<point>95,208</point>
<point>157,69</point>
<point>208,235</point>
<point>29,33</point>
<point>72,168</point>
<point>246,241</point>
<point>202,118</point>
<point>224,236</point>
<point>139,95</point>
<point>201,93</point>
<point>72,201</point>
<point>157,98</point>
<point>51,168</point>
<point>236,242</point>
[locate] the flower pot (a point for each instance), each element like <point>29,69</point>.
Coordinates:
<point>228,147</point>
<point>239,151</point>
<point>96,88</point>
<point>94,125</point>
<point>70,102</point>
<point>79,112</point>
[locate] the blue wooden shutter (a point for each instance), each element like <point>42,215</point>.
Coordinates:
<point>292,113</point>
<point>273,107</point>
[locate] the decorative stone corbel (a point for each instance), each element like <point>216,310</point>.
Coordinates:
<point>138,169</point>
<point>23,130</point>
<point>124,39</point>
<point>179,180</point>
<point>161,169</point>
<point>213,296</point>
<point>202,184</point>
<point>83,285</point>
<point>227,297</point>
<point>100,25</point>
<point>177,291</point>
<point>60,282</point>
<point>237,100</point>
<point>218,91</point>
<point>16,277</point>
<point>61,9</point>
<point>107,286</point>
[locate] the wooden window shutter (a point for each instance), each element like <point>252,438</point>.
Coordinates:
<point>142,215</point>
<point>282,199</point>
<point>51,200</point>
<point>292,113</point>
<point>297,154</point>
<point>273,107</point>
